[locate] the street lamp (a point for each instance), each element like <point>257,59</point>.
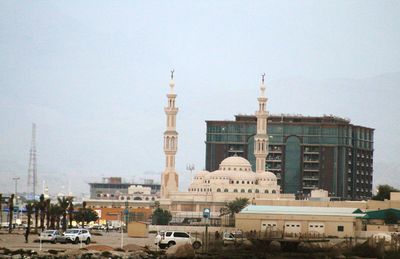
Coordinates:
<point>16,189</point>
<point>190,167</point>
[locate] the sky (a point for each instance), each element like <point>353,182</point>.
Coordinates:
<point>93,76</point>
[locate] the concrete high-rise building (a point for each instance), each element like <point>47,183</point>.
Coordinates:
<point>305,153</point>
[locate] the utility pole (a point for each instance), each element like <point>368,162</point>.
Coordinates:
<point>32,170</point>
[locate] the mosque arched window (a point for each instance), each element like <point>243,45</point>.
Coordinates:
<point>257,191</point>
<point>242,190</point>
<point>237,181</point>
<point>249,191</point>
<point>235,190</point>
<point>226,190</point>
<point>248,182</point>
<point>242,182</point>
<point>152,198</point>
<point>266,191</point>
<point>240,169</point>
<point>273,191</point>
<point>218,190</point>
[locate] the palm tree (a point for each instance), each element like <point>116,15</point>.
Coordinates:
<point>10,212</point>
<point>63,204</point>
<point>233,207</point>
<point>36,206</point>
<point>29,210</point>
<point>84,213</point>
<point>1,208</point>
<point>70,210</point>
<point>42,207</point>
<point>48,207</point>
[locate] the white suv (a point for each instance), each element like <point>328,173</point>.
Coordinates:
<point>76,235</point>
<point>170,238</point>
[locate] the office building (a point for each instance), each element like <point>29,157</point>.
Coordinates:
<point>305,153</point>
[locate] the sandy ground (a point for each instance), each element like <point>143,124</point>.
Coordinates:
<point>16,240</point>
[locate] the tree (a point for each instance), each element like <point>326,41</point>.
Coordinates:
<point>70,210</point>
<point>42,208</point>
<point>86,215</point>
<point>161,216</point>
<point>384,192</point>
<point>235,206</point>
<point>1,208</point>
<point>36,207</point>
<point>48,208</point>
<point>29,210</point>
<point>10,212</point>
<point>63,203</point>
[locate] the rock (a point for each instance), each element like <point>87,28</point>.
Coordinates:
<point>132,248</point>
<point>180,251</point>
<point>100,248</point>
<point>275,246</point>
<point>72,252</point>
<point>17,256</point>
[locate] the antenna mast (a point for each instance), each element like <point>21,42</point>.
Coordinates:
<point>32,170</point>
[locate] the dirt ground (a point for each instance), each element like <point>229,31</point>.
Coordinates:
<point>16,240</point>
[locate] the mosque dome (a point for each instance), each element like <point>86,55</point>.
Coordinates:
<point>266,178</point>
<point>235,163</point>
<point>199,176</point>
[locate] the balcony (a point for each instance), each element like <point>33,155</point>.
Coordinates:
<point>311,178</point>
<point>310,187</point>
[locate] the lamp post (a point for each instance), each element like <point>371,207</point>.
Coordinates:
<point>16,187</point>
<point>190,167</point>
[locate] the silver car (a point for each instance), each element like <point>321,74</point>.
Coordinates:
<point>75,235</point>
<point>50,236</point>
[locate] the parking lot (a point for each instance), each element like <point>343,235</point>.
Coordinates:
<point>16,240</point>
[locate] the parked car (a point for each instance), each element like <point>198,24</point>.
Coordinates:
<point>50,236</point>
<point>233,238</point>
<point>170,238</point>
<point>75,235</point>
<point>382,236</point>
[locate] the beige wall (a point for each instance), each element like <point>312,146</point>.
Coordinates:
<point>395,196</point>
<point>138,229</point>
<point>247,222</point>
<point>363,205</point>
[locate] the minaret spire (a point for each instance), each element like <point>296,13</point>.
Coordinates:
<point>261,137</point>
<point>169,178</point>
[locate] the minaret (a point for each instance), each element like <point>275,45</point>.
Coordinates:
<point>261,137</point>
<point>169,178</point>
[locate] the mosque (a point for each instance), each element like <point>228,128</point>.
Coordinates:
<point>234,178</point>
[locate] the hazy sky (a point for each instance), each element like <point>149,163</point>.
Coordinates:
<point>93,76</point>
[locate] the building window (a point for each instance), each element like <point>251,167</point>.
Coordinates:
<point>257,191</point>
<point>340,228</point>
<point>242,190</point>
<point>266,191</point>
<point>273,191</point>
<point>226,190</point>
<point>218,190</point>
<point>235,190</point>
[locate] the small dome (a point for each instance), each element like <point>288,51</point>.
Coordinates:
<point>266,175</point>
<point>200,175</point>
<point>235,163</point>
